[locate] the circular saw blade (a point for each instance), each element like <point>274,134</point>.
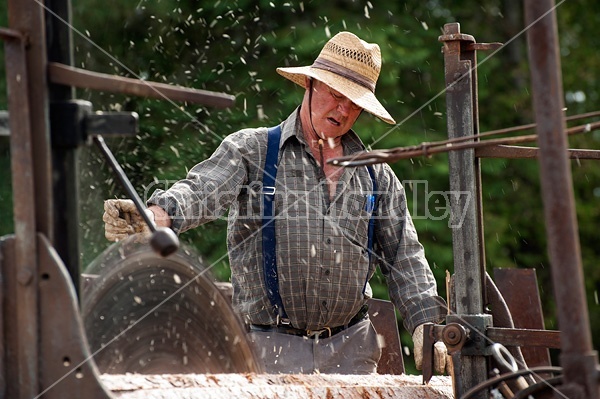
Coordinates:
<point>147,314</point>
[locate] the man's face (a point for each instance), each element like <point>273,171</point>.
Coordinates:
<point>332,113</point>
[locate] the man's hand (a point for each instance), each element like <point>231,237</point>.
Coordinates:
<point>122,219</point>
<point>440,353</point>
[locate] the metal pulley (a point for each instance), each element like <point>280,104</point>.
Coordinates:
<point>144,313</point>
<point>454,336</point>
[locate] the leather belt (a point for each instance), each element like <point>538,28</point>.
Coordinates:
<point>324,332</point>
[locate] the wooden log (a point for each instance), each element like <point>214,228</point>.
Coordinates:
<point>263,386</point>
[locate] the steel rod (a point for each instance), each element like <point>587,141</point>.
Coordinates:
<point>517,152</point>
<point>427,149</point>
<point>120,173</point>
<point>530,126</point>
<point>164,240</point>
<point>578,359</point>
<point>503,377</point>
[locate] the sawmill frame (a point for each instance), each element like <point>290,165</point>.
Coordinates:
<point>41,335</point>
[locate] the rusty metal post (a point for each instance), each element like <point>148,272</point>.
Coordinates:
<point>578,358</point>
<point>27,17</point>
<point>22,323</point>
<point>32,192</point>
<point>464,177</point>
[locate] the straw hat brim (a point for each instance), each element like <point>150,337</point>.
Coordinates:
<point>358,94</point>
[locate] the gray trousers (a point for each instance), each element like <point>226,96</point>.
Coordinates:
<point>352,351</point>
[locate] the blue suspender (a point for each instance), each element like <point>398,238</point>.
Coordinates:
<point>371,202</point>
<point>268,223</point>
<point>371,209</point>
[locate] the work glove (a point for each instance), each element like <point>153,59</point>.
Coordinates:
<point>440,353</point>
<point>122,219</point>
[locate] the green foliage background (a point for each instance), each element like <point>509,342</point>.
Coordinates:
<point>235,46</point>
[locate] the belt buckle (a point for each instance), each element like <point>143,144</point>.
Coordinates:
<point>282,321</point>
<point>316,334</point>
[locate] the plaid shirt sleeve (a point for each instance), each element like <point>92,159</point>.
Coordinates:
<point>209,187</point>
<point>411,283</point>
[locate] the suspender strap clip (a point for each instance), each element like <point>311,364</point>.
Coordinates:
<point>268,190</point>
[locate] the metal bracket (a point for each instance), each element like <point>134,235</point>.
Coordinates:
<point>13,34</point>
<point>474,335</point>
<point>73,122</point>
<point>66,366</point>
<point>454,336</point>
<point>476,342</point>
<point>69,364</point>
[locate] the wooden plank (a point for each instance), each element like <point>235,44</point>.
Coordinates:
<point>76,77</point>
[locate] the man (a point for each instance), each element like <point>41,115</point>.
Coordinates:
<point>300,277</point>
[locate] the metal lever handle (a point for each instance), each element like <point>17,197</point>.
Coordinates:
<point>164,240</point>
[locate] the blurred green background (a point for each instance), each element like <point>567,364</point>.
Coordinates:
<point>235,46</point>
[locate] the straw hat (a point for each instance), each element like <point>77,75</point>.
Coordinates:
<point>350,66</point>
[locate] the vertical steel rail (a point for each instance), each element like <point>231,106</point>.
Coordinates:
<point>464,177</point>
<point>65,154</point>
<point>470,54</point>
<point>24,331</point>
<point>578,358</point>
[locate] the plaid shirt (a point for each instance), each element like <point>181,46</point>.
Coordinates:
<point>322,257</point>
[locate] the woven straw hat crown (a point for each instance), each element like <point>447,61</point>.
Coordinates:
<point>350,66</point>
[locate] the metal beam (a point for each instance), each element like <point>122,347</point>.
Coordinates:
<point>578,359</point>
<point>105,123</point>
<point>65,158</point>
<point>461,99</point>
